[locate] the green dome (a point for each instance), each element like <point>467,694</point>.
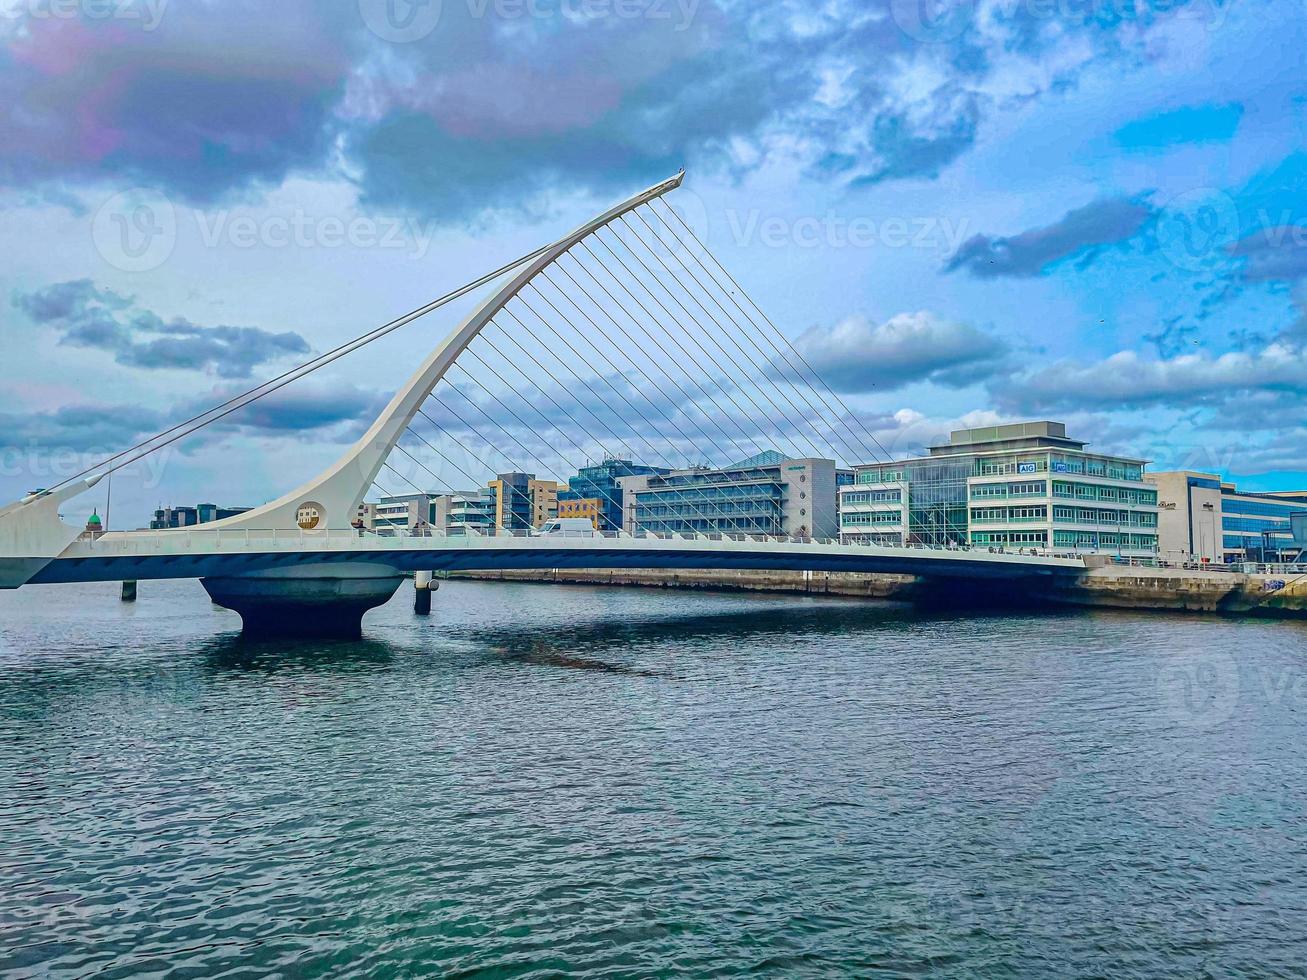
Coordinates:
<point>94,518</point>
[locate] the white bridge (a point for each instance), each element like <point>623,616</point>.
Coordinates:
<point>300,558</point>
<point>203,553</point>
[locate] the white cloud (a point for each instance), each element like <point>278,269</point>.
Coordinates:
<point>1128,379</point>
<point>856,355</point>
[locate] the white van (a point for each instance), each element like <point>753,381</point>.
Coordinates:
<point>568,527</point>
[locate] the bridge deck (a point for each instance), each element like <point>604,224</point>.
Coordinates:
<point>196,553</point>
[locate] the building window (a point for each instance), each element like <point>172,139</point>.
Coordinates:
<point>1029,514</point>
<point>1018,538</point>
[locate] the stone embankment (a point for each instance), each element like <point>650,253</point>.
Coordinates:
<point>1118,587</point>
<point>1190,590</point>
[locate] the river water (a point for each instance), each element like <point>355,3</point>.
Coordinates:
<point>546,780</point>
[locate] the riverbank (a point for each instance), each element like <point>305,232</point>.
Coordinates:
<point>1162,589</point>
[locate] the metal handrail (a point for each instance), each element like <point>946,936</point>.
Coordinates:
<point>196,536</point>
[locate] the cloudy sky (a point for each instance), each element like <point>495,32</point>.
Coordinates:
<point>989,210</point>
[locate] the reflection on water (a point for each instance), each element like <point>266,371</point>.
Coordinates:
<point>236,654</point>
<point>541,780</point>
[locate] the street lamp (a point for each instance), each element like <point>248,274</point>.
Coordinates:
<point>1211,512</point>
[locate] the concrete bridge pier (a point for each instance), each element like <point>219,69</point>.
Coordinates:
<point>423,586</point>
<point>314,601</point>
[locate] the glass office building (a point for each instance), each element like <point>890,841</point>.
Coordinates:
<point>595,492</point>
<point>518,501</point>
<point>768,494</point>
<point>1204,518</point>
<point>1020,486</point>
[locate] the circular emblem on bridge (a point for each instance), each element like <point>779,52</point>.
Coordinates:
<point>310,515</point>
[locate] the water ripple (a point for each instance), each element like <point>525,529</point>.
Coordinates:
<point>542,781</point>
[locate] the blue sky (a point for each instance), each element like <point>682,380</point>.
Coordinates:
<point>961,212</point>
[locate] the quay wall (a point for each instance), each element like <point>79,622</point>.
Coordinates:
<point>1187,590</point>
<point>820,583</point>
<point>1164,589</point>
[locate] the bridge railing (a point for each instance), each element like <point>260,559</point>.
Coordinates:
<point>172,539</point>
<point>1237,568</point>
<point>201,539</point>
<point>348,537</point>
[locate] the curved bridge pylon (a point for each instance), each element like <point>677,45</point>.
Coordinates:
<point>331,500</point>
<point>32,535</point>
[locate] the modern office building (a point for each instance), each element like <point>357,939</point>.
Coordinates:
<point>464,511</point>
<point>765,494</point>
<point>402,513</point>
<point>452,513</point>
<point>1204,518</point>
<point>177,517</point>
<point>518,501</point>
<point>544,501</point>
<point>873,514</point>
<point>1025,485</point>
<point>171,517</point>
<point>596,492</point>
